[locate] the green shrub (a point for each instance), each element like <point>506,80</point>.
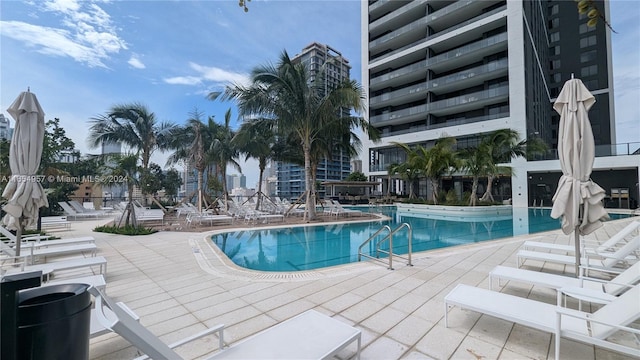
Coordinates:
<point>125,230</point>
<point>451,197</point>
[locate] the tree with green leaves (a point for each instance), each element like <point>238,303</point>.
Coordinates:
<point>224,151</point>
<point>171,183</point>
<point>356,176</point>
<point>191,144</point>
<point>438,161</point>
<point>477,162</point>
<point>135,126</point>
<point>301,108</point>
<point>256,139</point>
<point>118,167</point>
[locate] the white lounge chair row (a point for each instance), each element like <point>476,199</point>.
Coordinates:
<point>620,296</point>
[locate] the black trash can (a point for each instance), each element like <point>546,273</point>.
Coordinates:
<point>54,322</point>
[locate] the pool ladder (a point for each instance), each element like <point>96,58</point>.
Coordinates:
<point>390,238</point>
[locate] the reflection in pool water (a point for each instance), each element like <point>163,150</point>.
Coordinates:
<point>313,247</point>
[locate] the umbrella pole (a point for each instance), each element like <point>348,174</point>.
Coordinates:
<point>19,236</point>
<point>577,244</point>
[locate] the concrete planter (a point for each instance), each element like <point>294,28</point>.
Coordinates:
<point>457,213</point>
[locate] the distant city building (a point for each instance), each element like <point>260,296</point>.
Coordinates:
<point>5,128</point>
<point>467,68</point>
<point>69,157</point>
<point>236,181</point>
<point>337,69</point>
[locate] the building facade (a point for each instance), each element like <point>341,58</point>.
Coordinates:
<point>290,183</point>
<point>466,68</point>
<point>5,128</point>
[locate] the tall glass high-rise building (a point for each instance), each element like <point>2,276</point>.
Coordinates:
<point>466,68</point>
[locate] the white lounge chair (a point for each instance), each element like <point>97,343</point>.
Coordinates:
<point>310,335</point>
<point>51,267</point>
<point>606,261</point>
<point>607,246</point>
<point>71,212</point>
<point>568,323</point>
<point>81,209</point>
<point>603,289</point>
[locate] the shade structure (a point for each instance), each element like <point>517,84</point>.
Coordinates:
<point>578,200</point>
<point>24,191</point>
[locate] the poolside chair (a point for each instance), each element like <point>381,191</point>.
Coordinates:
<point>606,261</point>
<point>308,335</point>
<point>601,291</point>
<point>30,253</point>
<point>16,265</point>
<point>71,212</point>
<point>83,210</point>
<point>607,246</point>
<point>568,323</point>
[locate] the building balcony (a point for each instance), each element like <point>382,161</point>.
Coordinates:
<point>409,73</point>
<point>468,53</point>
<point>400,116</point>
<point>380,7</point>
<point>468,102</point>
<point>401,96</point>
<point>407,34</point>
<point>453,14</point>
<point>469,77</point>
<point>398,17</point>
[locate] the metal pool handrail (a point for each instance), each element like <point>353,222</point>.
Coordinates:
<point>390,238</point>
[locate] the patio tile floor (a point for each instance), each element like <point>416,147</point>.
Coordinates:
<point>178,285</point>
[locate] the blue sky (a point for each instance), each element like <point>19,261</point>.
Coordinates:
<point>82,57</point>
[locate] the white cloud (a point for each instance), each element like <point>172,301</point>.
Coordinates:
<point>135,62</point>
<point>86,33</point>
<point>183,80</point>
<point>209,74</point>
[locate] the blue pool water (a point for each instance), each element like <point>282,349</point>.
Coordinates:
<point>312,247</point>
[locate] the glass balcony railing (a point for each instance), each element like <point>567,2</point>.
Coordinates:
<point>469,98</point>
<point>467,49</point>
<point>410,69</point>
<point>622,149</point>
<point>448,30</point>
<point>398,93</point>
<point>396,13</point>
<point>487,68</point>
<point>397,115</point>
<point>449,9</point>
<point>418,24</point>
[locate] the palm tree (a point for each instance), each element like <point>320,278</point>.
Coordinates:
<point>134,126</point>
<point>502,146</point>
<point>477,162</point>
<point>411,169</point>
<point>302,108</point>
<point>256,141</point>
<point>123,166</point>
<point>439,160</point>
<point>224,151</point>
<point>189,144</point>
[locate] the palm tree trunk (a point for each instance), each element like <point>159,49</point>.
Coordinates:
<point>259,187</point>
<point>474,188</point>
<point>311,197</point>
<point>488,196</point>
<point>434,191</point>
<point>200,184</point>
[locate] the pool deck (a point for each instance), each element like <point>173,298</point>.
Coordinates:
<point>178,285</point>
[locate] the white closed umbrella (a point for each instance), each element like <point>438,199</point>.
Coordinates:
<point>24,192</point>
<point>578,200</point>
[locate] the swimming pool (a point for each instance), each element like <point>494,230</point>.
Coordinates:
<point>313,247</point>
